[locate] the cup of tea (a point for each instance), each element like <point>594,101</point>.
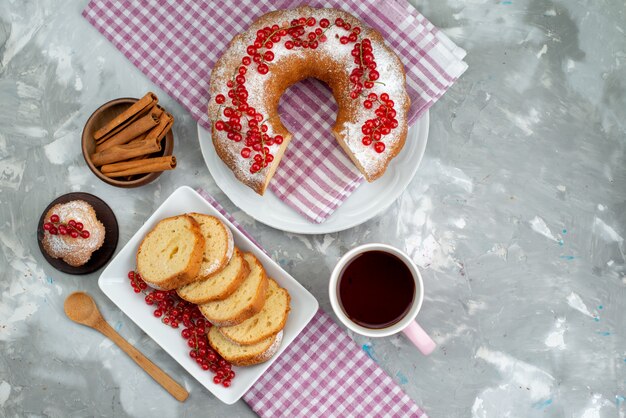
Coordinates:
<point>376,290</point>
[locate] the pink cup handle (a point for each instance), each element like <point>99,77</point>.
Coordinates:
<point>418,336</point>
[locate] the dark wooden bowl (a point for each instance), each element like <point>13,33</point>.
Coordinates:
<point>97,120</point>
<point>101,256</point>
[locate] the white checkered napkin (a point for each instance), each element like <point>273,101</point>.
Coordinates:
<point>324,373</point>
<point>176,43</point>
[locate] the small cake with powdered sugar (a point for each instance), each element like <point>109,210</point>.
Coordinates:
<point>72,232</point>
<point>283,47</point>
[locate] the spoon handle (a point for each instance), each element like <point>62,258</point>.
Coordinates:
<point>162,378</point>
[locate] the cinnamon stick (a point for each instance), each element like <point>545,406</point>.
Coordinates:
<point>133,130</point>
<point>131,168</point>
<point>165,124</point>
<point>125,152</point>
<point>128,116</point>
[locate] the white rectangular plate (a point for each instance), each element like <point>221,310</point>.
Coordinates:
<point>114,284</point>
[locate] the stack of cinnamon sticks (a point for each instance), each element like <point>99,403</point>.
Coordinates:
<point>124,144</point>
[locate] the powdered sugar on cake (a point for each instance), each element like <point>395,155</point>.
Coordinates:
<point>75,251</point>
<point>391,81</point>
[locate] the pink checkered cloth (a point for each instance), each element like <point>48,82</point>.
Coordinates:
<point>324,373</point>
<point>176,43</point>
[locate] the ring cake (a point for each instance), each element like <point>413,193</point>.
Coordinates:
<point>283,47</point>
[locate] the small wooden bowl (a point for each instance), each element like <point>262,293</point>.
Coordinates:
<point>101,117</point>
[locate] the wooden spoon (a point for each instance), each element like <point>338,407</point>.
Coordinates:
<point>81,308</point>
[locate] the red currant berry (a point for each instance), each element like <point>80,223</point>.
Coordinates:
<point>54,218</point>
<point>289,45</point>
<point>158,313</point>
<point>72,223</point>
<point>47,226</point>
<point>384,97</point>
<point>79,226</point>
<point>268,56</point>
<point>85,234</point>
<point>263,69</point>
<point>269,44</point>
<point>219,99</point>
<point>374,75</point>
<point>366,141</point>
<point>367,104</point>
<point>246,60</point>
<point>343,40</point>
<point>324,23</point>
<point>217,380</point>
<point>347,26</point>
<point>245,152</point>
<point>379,147</point>
<point>339,21</point>
<point>251,50</point>
<point>368,84</point>
<point>311,21</point>
<point>73,234</point>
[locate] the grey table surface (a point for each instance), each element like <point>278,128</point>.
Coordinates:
<point>517,217</point>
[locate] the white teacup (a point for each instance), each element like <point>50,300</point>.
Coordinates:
<point>407,323</point>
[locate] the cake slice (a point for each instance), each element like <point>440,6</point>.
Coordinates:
<point>171,253</point>
<point>245,302</point>
<point>244,355</point>
<point>218,244</point>
<point>220,285</point>
<point>266,323</point>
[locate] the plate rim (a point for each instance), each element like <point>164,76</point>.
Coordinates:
<point>311,227</point>
<point>258,252</point>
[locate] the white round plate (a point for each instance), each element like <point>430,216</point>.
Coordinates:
<point>367,201</point>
